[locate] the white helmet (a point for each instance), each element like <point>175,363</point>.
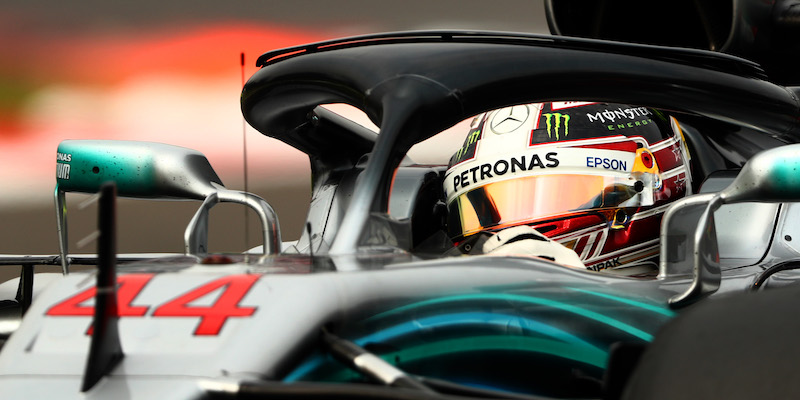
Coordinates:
<point>595,177</point>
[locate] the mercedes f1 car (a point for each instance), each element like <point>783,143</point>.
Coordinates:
<point>370,302</point>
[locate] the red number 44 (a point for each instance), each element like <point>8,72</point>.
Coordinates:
<point>212,317</point>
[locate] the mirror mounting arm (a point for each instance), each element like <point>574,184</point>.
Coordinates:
<point>768,177</point>
<point>61,226</point>
<point>196,234</point>
<point>705,258</point>
<point>154,171</point>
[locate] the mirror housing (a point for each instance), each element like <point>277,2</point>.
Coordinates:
<point>151,171</point>
<point>771,176</point>
<point>140,169</point>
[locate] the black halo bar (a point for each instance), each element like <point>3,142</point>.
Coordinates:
<point>700,58</point>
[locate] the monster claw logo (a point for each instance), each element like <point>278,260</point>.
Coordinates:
<point>467,150</point>
<point>553,121</point>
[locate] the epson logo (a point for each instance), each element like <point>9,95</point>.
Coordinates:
<point>607,163</point>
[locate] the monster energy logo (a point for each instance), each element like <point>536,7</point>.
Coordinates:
<point>555,119</point>
<point>468,150</point>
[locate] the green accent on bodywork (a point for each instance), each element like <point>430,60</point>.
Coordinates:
<point>586,354</point>
<point>583,354</point>
<point>88,168</point>
<point>635,303</point>
<point>525,299</point>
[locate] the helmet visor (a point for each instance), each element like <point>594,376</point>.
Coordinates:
<point>531,198</point>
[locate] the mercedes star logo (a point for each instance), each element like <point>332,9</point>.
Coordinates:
<point>509,119</point>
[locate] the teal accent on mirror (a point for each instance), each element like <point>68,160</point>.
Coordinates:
<point>784,176</point>
<point>85,168</point>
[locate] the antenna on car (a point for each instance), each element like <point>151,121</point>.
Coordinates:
<point>244,153</point>
<point>310,242</point>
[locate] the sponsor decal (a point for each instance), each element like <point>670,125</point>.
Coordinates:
<point>604,265</point>
<point>509,119</point>
<point>554,124</point>
<point>62,171</point>
<point>501,167</point>
<point>470,146</point>
<point>607,116</point>
<point>626,125</point>
<point>607,163</point>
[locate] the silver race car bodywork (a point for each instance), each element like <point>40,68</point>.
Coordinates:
<point>368,295</point>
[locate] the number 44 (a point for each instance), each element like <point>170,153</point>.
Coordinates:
<point>212,317</point>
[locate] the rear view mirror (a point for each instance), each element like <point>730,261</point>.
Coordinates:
<point>772,176</point>
<point>140,169</point>
<point>153,171</point>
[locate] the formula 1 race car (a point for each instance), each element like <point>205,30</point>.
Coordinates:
<point>373,301</point>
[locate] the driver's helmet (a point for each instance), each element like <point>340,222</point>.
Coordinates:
<point>595,177</point>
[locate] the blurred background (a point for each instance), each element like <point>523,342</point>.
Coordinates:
<point>170,72</point>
